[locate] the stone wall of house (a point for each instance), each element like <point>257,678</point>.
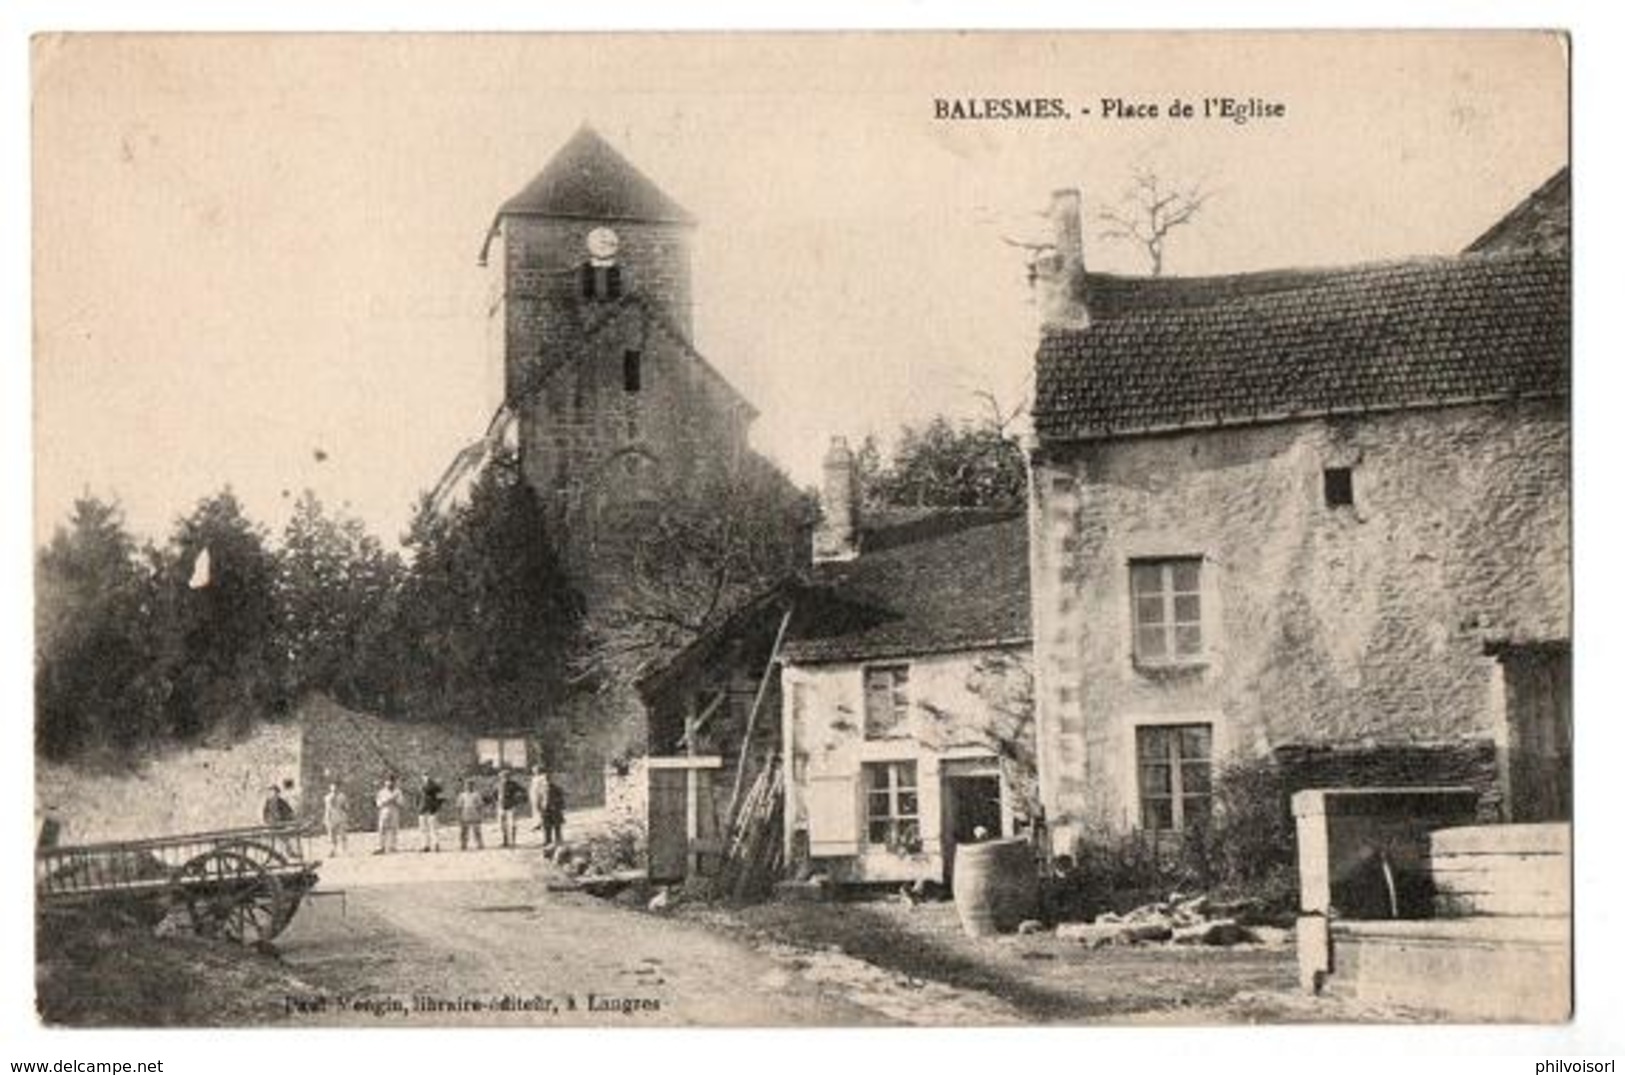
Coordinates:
<point>963,707</point>
<point>1465,763</point>
<point>1320,624</point>
<point>186,790</point>
<point>626,797</point>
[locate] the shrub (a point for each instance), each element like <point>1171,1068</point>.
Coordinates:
<point>621,848</point>
<point>1248,851</point>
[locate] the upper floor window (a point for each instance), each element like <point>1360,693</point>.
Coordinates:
<point>885,702</point>
<point>1167,597</point>
<point>632,371</point>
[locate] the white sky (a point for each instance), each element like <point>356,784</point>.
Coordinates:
<point>246,250</point>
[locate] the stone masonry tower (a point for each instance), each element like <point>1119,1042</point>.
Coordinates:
<point>592,317</point>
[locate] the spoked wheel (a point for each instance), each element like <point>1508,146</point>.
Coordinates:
<point>230,893</point>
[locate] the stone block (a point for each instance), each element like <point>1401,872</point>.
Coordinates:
<point>1219,933</point>
<point>1091,934</point>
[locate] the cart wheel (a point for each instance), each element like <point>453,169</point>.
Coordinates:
<point>267,855</point>
<point>230,894</point>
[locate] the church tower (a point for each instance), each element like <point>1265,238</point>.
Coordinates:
<point>592,316</point>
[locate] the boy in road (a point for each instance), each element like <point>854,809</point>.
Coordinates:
<point>432,799</point>
<point>510,797</point>
<point>468,817</point>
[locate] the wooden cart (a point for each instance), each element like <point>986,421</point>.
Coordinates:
<point>241,884</point>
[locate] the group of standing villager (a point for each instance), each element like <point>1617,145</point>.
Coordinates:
<point>544,796</point>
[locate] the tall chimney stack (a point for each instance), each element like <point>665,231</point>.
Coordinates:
<point>836,537</point>
<point>1059,270</point>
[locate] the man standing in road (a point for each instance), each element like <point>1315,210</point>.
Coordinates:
<point>388,801</point>
<point>432,799</point>
<point>538,793</point>
<point>277,810</point>
<point>336,818</point>
<point>510,797</point>
<point>552,814</point>
<point>468,816</point>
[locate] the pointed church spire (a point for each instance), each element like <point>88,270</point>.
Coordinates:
<point>588,179</point>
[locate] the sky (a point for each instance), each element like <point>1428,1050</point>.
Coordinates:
<point>255,259</point>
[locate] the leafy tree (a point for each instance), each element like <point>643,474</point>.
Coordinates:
<point>693,557</point>
<point>94,684</point>
<point>945,465</point>
<point>335,591</point>
<point>217,613</point>
<point>486,614</point>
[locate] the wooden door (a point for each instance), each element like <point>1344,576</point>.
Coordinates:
<point>668,824</point>
<point>1540,727</point>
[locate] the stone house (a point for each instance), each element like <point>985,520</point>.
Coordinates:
<point>1320,516</point>
<point>907,707</point>
<point>891,680</point>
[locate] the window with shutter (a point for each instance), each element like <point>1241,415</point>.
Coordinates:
<point>885,702</point>
<point>832,816</point>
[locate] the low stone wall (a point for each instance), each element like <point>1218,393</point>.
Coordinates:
<point>1467,763</point>
<point>196,789</point>
<point>359,750</point>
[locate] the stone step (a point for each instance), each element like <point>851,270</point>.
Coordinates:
<point>1494,969</point>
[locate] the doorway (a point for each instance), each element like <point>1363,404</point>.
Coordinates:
<point>1540,726</point>
<point>972,810</point>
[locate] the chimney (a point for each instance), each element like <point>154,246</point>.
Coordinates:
<point>1059,270</point>
<point>836,538</point>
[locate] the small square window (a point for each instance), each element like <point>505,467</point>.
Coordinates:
<point>1339,487</point>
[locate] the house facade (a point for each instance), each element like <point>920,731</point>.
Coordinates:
<point>1320,517</point>
<point>907,691</point>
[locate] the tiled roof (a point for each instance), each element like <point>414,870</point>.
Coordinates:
<point>1178,354</point>
<point>934,583</point>
<point>576,324</point>
<point>587,179</point>
<point>1539,223</point>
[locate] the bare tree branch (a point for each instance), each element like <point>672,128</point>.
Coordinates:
<point>1149,211</point>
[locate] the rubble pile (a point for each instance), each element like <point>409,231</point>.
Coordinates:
<point>1180,919</point>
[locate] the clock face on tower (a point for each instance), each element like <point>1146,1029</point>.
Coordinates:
<point>602,244</point>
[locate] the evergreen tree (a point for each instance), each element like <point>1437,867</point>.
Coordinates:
<point>335,589</point>
<point>95,687</point>
<point>218,619</point>
<point>486,614</point>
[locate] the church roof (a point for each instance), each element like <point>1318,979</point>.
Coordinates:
<point>588,179</point>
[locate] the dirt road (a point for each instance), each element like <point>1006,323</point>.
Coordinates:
<point>509,952</point>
